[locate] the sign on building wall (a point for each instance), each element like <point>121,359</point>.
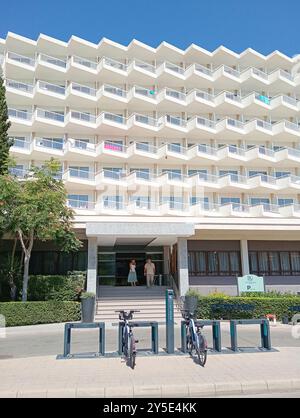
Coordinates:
<point>250,283</point>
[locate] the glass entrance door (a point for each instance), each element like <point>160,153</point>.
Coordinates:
<point>113,267</point>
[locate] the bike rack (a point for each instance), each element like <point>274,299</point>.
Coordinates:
<point>264,332</point>
<point>67,340</point>
<point>216,333</point>
<point>140,324</point>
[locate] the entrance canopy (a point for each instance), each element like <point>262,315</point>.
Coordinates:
<point>138,233</point>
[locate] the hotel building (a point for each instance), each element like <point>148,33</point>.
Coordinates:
<point>189,156</point>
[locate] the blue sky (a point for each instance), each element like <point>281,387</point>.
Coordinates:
<point>264,25</point>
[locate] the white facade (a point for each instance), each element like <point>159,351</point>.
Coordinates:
<point>161,135</point>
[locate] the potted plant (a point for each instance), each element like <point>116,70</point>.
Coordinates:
<point>88,307</point>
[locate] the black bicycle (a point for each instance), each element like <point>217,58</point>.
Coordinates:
<point>128,340</point>
<point>195,340</point>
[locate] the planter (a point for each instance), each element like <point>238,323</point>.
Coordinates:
<point>88,309</point>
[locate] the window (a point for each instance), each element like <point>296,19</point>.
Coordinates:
<point>259,201</point>
<point>214,263</point>
<point>78,201</point>
<point>285,201</point>
<point>274,263</point>
<point>226,200</point>
<point>81,172</point>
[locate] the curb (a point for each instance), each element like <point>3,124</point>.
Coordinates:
<point>196,390</point>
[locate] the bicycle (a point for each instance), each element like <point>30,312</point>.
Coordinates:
<point>195,340</point>
<point>128,340</point>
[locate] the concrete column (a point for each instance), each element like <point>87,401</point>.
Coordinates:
<point>182,266</point>
<point>244,257</point>
<point>92,265</point>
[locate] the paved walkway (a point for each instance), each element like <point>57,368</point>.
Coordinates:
<point>167,376</point>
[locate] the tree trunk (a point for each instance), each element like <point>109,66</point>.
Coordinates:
<point>25,276</point>
<point>13,287</point>
<point>27,255</point>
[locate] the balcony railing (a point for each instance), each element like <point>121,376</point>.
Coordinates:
<point>204,70</point>
<point>21,173</point>
<point>113,204</point>
<point>53,88</point>
<point>85,117</point>
<point>16,85</point>
<point>175,94</point>
<point>114,90</point>
<point>115,64</point>
<point>19,114</point>
<point>49,114</point>
<point>83,89</point>
<point>206,122</point>
<point>21,143</point>
<point>144,147</point>
<point>204,95</point>
<point>52,143</point>
<point>85,62</point>
<point>174,120</point>
<point>113,174</point>
<point>262,124</point>
<point>114,118</point>
<point>146,120</point>
<point>175,68</point>
<point>53,60</point>
<point>80,174</point>
<point>145,92</point>
<point>81,204</point>
<point>21,58</point>
<point>114,146</point>
<point>145,66</point>
<point>82,145</point>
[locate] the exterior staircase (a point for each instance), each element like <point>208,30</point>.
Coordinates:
<point>150,303</point>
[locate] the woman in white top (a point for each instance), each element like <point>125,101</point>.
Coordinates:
<point>132,278</point>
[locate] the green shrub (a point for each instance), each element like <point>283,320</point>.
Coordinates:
<point>32,313</point>
<point>269,294</point>
<point>59,288</point>
<point>211,307</point>
<point>87,295</point>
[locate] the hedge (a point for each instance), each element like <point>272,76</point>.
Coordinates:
<point>245,308</point>
<point>59,288</point>
<point>32,313</point>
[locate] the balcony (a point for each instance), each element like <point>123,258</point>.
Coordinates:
<point>51,88</point>
<point>57,144</point>
<point>79,205</point>
<point>21,59</point>
<point>83,117</point>
<point>79,88</point>
<point>20,87</point>
<point>20,116</point>
<point>84,62</point>
<point>50,116</point>
<point>53,61</point>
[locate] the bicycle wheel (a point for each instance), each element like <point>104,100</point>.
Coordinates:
<point>189,343</point>
<point>132,352</point>
<point>125,344</point>
<point>201,349</point>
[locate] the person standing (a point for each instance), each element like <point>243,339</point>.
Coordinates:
<point>149,272</point>
<point>132,278</point>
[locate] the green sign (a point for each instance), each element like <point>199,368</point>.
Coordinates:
<point>251,283</point>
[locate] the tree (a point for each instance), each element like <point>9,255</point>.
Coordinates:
<point>5,141</point>
<point>35,209</point>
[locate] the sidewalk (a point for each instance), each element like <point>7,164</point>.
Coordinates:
<point>162,376</point>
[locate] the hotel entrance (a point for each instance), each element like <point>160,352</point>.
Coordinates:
<point>113,264</point>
